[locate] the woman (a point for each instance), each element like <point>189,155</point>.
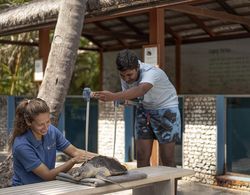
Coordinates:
<point>34,143</point>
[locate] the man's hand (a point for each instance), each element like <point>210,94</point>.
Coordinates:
<point>105,96</point>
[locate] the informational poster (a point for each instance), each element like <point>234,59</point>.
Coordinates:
<point>150,54</point>
<point>221,67</point>
<point>38,74</point>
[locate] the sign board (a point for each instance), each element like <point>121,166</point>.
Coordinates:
<point>150,54</point>
<point>38,74</point>
<point>220,67</point>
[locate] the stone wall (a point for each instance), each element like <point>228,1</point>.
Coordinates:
<point>106,125</point>
<point>3,124</point>
<point>199,137</point>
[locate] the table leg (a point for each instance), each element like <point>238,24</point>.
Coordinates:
<point>159,188</point>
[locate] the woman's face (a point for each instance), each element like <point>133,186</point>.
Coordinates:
<point>130,75</point>
<point>40,125</point>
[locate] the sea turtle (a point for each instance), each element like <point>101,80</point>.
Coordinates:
<point>99,167</point>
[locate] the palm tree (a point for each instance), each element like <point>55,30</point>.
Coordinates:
<point>60,65</point>
<point>62,55</point>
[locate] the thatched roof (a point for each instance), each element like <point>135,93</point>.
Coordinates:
<point>116,24</point>
<point>44,12</point>
<point>26,15</point>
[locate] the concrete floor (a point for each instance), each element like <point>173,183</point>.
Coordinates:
<point>191,188</point>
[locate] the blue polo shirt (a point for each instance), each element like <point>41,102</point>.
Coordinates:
<point>29,153</point>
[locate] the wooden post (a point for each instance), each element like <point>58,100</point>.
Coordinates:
<point>157,36</point>
<point>178,65</point>
<point>101,69</point>
<point>44,46</point>
<point>157,32</point>
<point>44,49</point>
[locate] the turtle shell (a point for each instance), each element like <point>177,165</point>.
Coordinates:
<point>112,164</point>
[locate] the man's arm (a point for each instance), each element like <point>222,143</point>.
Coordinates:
<point>128,94</point>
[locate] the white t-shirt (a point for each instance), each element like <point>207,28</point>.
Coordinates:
<point>162,94</point>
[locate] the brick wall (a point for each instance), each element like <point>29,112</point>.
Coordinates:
<point>199,137</point>
<point>3,123</point>
<point>106,125</point>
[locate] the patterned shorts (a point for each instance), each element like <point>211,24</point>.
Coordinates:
<point>163,125</point>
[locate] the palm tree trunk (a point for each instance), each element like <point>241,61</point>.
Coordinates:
<point>59,69</point>
<point>62,55</point>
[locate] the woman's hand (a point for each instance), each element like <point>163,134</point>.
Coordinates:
<point>79,155</point>
<point>91,155</point>
<point>78,159</point>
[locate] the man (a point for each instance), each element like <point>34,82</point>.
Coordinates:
<point>157,115</point>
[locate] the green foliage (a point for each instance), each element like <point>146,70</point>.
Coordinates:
<point>86,73</point>
<point>17,67</point>
<point>13,2</point>
<point>16,62</point>
<point>17,84</point>
<point>17,75</point>
<point>8,3</point>
<point>87,70</point>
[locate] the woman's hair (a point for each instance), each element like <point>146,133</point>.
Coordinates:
<point>27,110</point>
<point>126,60</point>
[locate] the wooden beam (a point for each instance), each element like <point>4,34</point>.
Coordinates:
<point>139,9</point>
<point>101,67</point>
<point>44,45</point>
<point>28,27</point>
<point>113,34</point>
<point>22,43</point>
<point>118,38</point>
<point>88,49</point>
<point>219,15</point>
<point>201,24</point>
<point>178,65</point>
<point>135,45</point>
<point>132,26</point>
<point>90,38</point>
<point>216,38</point>
<point>171,32</point>
<point>35,44</point>
<point>157,33</point>
<point>230,10</point>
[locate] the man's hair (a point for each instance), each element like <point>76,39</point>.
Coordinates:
<point>126,60</point>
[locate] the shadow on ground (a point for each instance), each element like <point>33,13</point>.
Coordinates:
<point>192,188</point>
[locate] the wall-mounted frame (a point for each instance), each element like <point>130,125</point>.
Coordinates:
<point>151,54</point>
<point>38,73</point>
